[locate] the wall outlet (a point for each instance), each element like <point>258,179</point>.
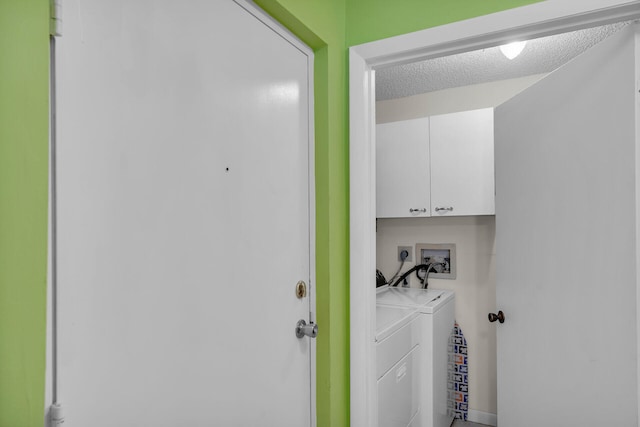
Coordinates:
<point>409,250</point>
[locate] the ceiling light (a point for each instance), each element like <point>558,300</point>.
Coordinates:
<point>512,50</point>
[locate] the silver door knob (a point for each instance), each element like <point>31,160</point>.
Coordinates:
<point>302,329</point>
<point>450,209</point>
<point>423,210</point>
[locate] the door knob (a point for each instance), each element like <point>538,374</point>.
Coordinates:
<point>499,317</point>
<point>302,329</point>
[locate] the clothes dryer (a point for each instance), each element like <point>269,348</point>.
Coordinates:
<point>397,364</point>
<point>436,316</point>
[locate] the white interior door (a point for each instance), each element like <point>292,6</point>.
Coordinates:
<point>185,216</point>
<point>566,244</point>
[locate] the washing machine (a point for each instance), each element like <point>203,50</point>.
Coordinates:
<point>397,364</point>
<point>435,311</point>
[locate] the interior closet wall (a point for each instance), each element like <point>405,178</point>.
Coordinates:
<point>474,236</point>
<point>452,100</point>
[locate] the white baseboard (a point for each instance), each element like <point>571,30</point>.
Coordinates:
<point>482,417</point>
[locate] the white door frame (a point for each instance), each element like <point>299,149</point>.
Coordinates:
<point>536,20</point>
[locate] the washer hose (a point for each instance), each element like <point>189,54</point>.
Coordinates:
<point>411,270</point>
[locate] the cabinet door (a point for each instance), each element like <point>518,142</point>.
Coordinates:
<point>402,169</point>
<point>462,171</point>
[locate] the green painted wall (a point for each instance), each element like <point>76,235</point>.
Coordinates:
<point>369,20</point>
<point>329,27</point>
<point>24,80</point>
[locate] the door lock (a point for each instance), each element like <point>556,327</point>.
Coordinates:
<point>302,329</point>
<point>301,289</point>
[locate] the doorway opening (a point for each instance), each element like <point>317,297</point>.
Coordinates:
<point>438,88</point>
<point>369,63</point>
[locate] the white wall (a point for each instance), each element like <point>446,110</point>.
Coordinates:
<point>452,100</point>
<point>474,285</point>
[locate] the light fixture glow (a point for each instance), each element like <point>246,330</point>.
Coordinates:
<point>512,50</point>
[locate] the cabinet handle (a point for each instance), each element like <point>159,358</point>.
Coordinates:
<point>418,210</point>
<point>450,209</point>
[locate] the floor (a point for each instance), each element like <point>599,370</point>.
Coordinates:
<point>458,423</point>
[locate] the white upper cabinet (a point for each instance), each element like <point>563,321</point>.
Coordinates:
<point>402,169</point>
<point>462,170</point>
<point>436,166</point>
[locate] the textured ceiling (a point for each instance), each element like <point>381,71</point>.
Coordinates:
<point>541,55</point>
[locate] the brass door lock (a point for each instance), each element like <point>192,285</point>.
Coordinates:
<point>301,289</point>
